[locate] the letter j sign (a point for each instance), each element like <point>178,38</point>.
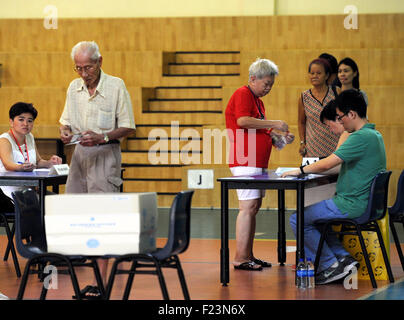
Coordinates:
<point>200,179</point>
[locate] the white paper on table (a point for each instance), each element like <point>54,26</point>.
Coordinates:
<point>281,170</point>
<point>42,170</point>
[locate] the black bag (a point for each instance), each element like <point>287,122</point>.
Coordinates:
<point>6,204</point>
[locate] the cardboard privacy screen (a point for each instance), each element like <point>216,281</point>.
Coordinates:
<point>101,224</point>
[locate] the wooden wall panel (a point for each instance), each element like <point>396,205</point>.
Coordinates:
<point>49,101</point>
<point>37,68</point>
<point>205,33</point>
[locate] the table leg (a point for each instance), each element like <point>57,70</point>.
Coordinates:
<point>42,192</point>
<point>224,250</point>
<point>300,223</point>
<point>281,228</point>
<point>55,188</point>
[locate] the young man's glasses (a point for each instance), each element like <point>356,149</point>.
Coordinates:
<point>339,118</point>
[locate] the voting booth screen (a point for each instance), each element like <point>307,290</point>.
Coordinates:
<point>101,224</point>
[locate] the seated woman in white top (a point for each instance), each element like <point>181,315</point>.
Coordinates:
<point>17,146</point>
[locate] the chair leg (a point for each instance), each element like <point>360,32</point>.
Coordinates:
<point>10,245</point>
<point>129,282</point>
<point>111,279</point>
<point>320,247</point>
<point>366,257</point>
<point>98,278</point>
<point>44,291</point>
<point>182,278</point>
<point>384,253</point>
<point>397,242</point>
<point>73,277</point>
<point>24,280</point>
<point>7,252</point>
<point>161,280</point>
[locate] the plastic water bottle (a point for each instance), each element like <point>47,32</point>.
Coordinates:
<point>301,275</point>
<point>310,274</point>
<point>278,141</point>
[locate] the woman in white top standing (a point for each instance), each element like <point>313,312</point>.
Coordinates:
<point>17,146</point>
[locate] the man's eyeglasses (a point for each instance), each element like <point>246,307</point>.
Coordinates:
<point>87,69</point>
<point>339,118</point>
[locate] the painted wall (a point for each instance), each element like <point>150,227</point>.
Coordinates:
<point>188,8</point>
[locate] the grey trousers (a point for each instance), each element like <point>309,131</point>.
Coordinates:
<point>95,169</point>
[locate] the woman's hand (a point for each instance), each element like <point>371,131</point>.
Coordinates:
<point>302,149</point>
<point>280,125</point>
<point>26,166</point>
<point>290,137</point>
<point>55,160</point>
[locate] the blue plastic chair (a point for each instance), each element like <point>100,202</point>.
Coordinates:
<point>167,257</point>
<point>376,210</point>
<point>31,244</point>
<point>396,215</point>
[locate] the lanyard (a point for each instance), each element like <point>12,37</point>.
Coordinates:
<point>262,117</point>
<point>19,147</point>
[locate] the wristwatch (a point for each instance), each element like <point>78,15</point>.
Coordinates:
<point>106,139</point>
<point>301,169</point>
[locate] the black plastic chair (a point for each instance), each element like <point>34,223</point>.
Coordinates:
<point>167,257</point>
<point>31,244</point>
<point>376,210</point>
<point>396,215</point>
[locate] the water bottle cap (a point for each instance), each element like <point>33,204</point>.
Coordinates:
<point>308,259</point>
<point>301,259</point>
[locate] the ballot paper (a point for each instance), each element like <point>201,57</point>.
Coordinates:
<point>281,170</point>
<point>312,195</point>
<point>75,139</point>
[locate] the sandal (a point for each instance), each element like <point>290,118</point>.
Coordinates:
<point>263,263</point>
<point>93,290</point>
<point>248,265</point>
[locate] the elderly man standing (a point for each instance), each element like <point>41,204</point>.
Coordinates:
<point>98,112</point>
<point>251,144</point>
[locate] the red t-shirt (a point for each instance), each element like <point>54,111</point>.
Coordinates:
<point>248,147</point>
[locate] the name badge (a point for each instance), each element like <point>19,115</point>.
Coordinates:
<point>59,169</point>
<point>307,161</point>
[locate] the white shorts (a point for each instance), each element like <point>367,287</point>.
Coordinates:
<point>248,194</point>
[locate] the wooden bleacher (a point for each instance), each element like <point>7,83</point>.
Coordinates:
<point>185,70</point>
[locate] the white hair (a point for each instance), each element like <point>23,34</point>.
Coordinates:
<point>262,68</point>
<point>87,46</point>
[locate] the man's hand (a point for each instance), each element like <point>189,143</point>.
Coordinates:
<point>65,134</point>
<point>294,173</point>
<point>90,138</point>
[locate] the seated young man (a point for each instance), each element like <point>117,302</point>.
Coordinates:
<point>361,157</point>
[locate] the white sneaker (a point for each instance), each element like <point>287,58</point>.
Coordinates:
<point>3,297</point>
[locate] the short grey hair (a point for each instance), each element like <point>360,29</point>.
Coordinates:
<point>87,46</point>
<point>262,68</point>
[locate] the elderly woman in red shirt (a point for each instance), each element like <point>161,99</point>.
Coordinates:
<point>249,133</point>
